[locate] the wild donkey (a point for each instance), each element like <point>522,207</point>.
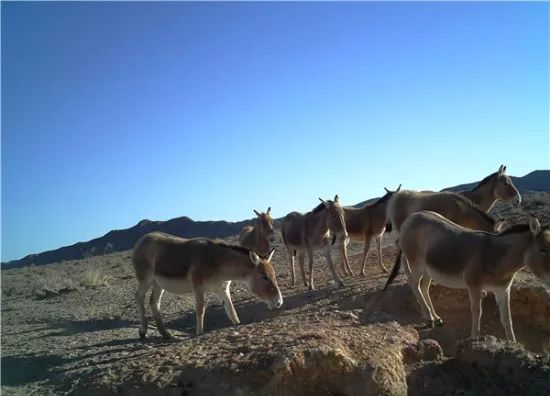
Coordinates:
<point>365,223</point>
<point>496,187</point>
<point>453,206</point>
<point>179,266</point>
<point>259,237</point>
<point>456,257</point>
<point>306,232</point>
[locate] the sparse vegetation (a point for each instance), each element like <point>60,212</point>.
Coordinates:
<point>52,286</point>
<point>94,277</point>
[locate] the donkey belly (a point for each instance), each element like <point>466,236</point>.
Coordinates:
<point>453,281</point>
<point>175,285</point>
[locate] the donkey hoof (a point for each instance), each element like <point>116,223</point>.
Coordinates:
<point>341,283</point>
<point>142,334</point>
<point>430,324</point>
<point>438,322</point>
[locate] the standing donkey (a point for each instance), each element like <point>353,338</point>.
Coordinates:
<point>436,248</point>
<point>305,232</point>
<point>259,236</point>
<point>365,223</point>
<point>453,206</point>
<point>199,265</point>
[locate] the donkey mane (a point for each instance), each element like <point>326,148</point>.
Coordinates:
<point>458,197</point>
<point>520,229</point>
<point>382,199</point>
<point>318,208</point>
<point>236,248</point>
<point>484,181</point>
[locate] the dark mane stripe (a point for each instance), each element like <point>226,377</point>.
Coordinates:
<point>490,219</point>
<point>521,228</point>
<point>484,181</point>
<point>237,248</point>
<point>516,229</point>
<point>318,208</point>
<point>382,199</point>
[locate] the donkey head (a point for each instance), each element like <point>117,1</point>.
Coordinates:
<point>335,219</point>
<point>263,282</point>
<point>538,254</point>
<point>264,222</point>
<point>504,189</point>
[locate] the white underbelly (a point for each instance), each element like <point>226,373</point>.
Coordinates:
<point>451,281</point>
<point>175,285</point>
<point>184,286</point>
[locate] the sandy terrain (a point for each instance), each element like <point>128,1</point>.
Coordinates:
<point>71,327</point>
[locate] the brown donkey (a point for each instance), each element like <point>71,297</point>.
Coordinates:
<point>305,232</point>
<point>436,248</point>
<point>453,206</point>
<point>259,236</point>
<point>364,223</point>
<point>199,265</point>
<point>496,187</point>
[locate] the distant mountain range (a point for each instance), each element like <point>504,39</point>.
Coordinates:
<point>120,240</point>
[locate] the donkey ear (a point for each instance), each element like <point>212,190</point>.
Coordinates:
<point>504,169</point>
<point>323,201</point>
<point>387,191</point>
<point>336,199</point>
<point>501,170</point>
<point>257,214</point>
<point>268,210</point>
<point>271,255</point>
<point>254,257</point>
<point>500,225</point>
<point>534,225</point>
<point>398,188</point>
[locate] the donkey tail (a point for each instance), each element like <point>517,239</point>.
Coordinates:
<point>389,226</point>
<point>333,238</point>
<point>395,269</point>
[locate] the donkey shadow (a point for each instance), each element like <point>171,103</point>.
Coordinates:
<point>249,311</point>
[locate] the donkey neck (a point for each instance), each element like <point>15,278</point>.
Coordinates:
<point>235,265</point>
<point>483,196</point>
<point>510,250</point>
<point>318,221</point>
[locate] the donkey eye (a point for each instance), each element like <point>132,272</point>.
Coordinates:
<point>265,278</point>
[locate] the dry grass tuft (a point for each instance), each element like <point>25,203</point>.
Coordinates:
<point>94,277</point>
<point>52,286</point>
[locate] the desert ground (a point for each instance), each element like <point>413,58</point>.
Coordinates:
<point>72,328</point>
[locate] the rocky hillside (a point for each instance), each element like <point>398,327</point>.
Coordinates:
<point>120,240</point>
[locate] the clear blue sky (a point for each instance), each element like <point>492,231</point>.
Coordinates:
<point>115,112</point>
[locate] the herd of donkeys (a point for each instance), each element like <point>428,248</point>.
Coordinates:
<point>445,236</point>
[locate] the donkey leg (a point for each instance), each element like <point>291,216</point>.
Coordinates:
<point>301,261</point>
<point>331,266</point>
<point>414,280</point>
<point>310,255</point>
<point>378,240</point>
<point>475,309</point>
<point>503,302</point>
<point>154,302</point>
<point>225,295</point>
<point>425,282</point>
<point>291,267</point>
<point>344,261</point>
<point>142,289</point>
<point>200,309</point>
<point>366,248</point>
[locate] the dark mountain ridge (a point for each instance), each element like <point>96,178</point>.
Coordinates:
<point>120,240</point>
